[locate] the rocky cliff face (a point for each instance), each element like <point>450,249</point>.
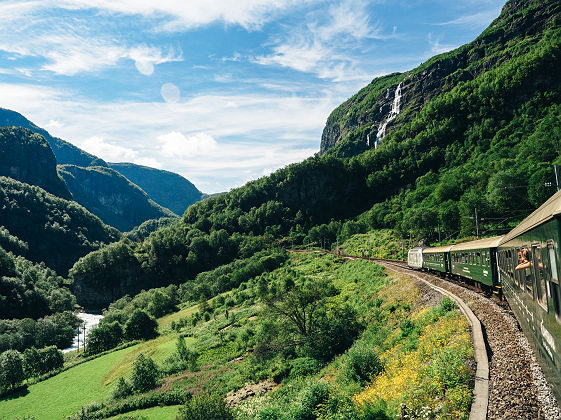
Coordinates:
<point>27,157</point>
<point>111,196</point>
<point>355,125</point>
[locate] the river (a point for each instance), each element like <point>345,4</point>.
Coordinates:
<point>90,321</point>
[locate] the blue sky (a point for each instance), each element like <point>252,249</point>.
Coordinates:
<point>219,91</point>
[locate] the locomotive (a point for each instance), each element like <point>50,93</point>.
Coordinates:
<point>522,265</point>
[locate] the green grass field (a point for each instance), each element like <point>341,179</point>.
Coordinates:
<point>154,413</point>
<point>66,393</point>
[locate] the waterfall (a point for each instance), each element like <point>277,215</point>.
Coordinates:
<point>394,112</point>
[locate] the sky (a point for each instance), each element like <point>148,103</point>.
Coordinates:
<point>219,91</point>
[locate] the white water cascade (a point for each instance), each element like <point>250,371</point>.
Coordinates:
<point>394,112</point>
<point>89,321</point>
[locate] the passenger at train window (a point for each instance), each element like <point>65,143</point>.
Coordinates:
<point>523,259</point>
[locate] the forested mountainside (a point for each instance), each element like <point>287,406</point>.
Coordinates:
<point>46,228</point>
<point>483,138</point>
<point>27,157</point>
<point>168,189</point>
<point>65,153</point>
<point>29,290</point>
<point>367,116</point>
<point>111,196</point>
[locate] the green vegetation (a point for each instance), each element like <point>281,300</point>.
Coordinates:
<point>57,231</point>
<point>111,196</point>
<point>326,367</point>
<point>30,290</point>
<point>142,231</point>
<point>381,243</point>
<point>168,189</point>
<point>27,157</point>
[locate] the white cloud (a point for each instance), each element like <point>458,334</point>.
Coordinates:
<point>325,46</point>
<point>53,124</point>
<point>436,47</point>
<point>476,19</point>
<point>147,161</point>
<point>107,151</point>
<point>175,144</point>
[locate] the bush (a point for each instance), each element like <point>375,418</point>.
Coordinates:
<point>144,374</point>
<point>303,366</point>
<point>361,363</point>
<point>311,398</point>
<point>122,389</point>
<point>206,407</point>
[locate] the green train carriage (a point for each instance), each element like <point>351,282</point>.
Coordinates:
<point>437,259</point>
<point>528,260</point>
<point>477,261</point>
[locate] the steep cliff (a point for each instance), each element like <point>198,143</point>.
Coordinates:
<point>358,124</point>
<point>168,189</point>
<point>111,196</point>
<point>27,157</point>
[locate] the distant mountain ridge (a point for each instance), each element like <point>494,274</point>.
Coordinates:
<point>168,194</point>
<point>168,189</point>
<point>111,196</point>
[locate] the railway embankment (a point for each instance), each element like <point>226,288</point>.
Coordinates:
<point>517,388</point>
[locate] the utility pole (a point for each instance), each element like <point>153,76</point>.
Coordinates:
<point>556,168</point>
<point>476,224</point>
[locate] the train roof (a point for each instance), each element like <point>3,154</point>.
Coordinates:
<point>545,212</point>
<point>437,249</point>
<point>417,248</point>
<point>479,244</point>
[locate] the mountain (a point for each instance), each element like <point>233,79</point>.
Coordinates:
<point>65,152</point>
<point>111,196</point>
<point>477,130</point>
<point>394,101</point>
<point>168,189</point>
<point>55,231</point>
<point>27,157</point>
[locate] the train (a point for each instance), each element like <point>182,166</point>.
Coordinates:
<point>523,267</point>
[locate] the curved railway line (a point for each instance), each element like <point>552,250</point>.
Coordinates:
<point>516,386</point>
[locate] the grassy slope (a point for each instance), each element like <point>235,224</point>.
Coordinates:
<point>65,393</point>
<point>359,282</point>
<point>154,413</point>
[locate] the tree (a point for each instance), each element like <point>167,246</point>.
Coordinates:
<point>144,374</point>
<point>106,336</point>
<point>140,326</point>
<point>11,369</point>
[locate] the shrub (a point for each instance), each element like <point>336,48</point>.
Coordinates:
<point>122,389</point>
<point>144,374</point>
<point>361,363</point>
<point>303,366</point>
<point>206,407</point>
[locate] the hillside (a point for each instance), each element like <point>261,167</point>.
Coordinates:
<point>27,157</point>
<point>65,153</point>
<point>356,124</point>
<point>111,196</point>
<point>486,143</point>
<point>168,189</point>
<point>53,230</point>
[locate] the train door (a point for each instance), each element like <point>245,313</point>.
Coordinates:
<point>538,274</point>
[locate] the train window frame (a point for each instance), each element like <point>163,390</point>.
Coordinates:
<point>553,261</point>
<point>541,291</point>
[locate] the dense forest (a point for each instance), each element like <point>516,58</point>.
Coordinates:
<point>49,229</point>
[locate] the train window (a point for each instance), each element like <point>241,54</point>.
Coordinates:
<point>478,258</point>
<point>537,266</point>
<point>553,262</point>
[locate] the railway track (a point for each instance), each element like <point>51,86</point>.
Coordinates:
<point>517,388</point>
